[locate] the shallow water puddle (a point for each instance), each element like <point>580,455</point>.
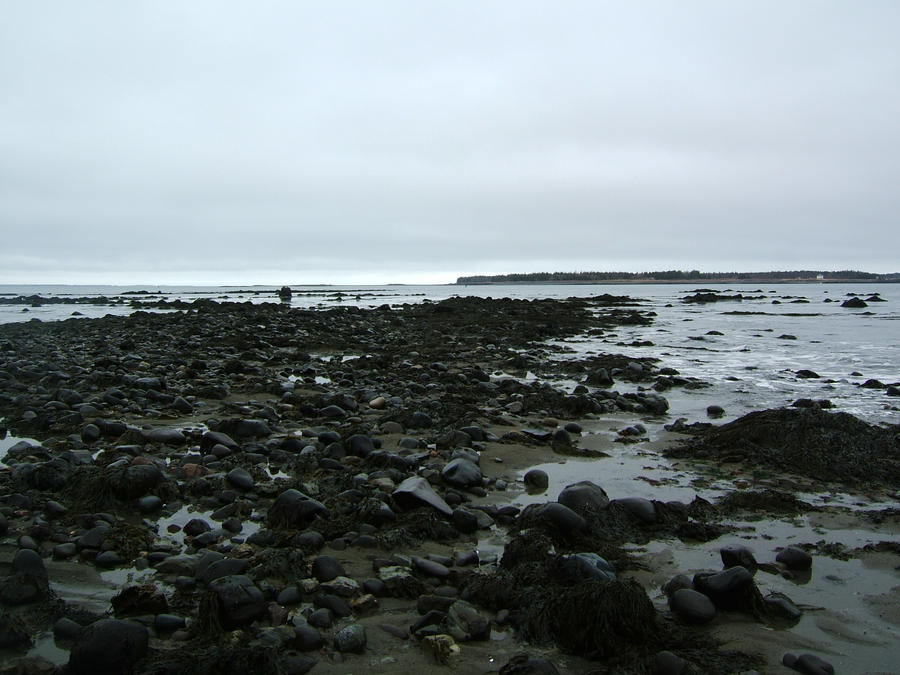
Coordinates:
<point>189,512</point>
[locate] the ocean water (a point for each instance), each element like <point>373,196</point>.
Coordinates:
<point>748,350</point>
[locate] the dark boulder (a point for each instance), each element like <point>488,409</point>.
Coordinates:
<point>109,646</point>
<point>583,566</point>
<point>326,568</point>
<point>692,606</point>
<point>583,497</point>
<point>462,472</point>
<point>135,481</point>
<point>735,555</point>
<point>293,508</point>
<point>237,601</point>
<point>731,589</point>
<point>794,558</point>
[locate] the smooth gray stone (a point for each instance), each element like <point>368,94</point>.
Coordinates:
<point>416,491</point>
<point>692,606</point>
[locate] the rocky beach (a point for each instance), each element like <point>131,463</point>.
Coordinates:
<point>230,487</point>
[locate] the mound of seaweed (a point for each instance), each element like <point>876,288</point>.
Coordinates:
<point>612,622</point>
<point>836,447</point>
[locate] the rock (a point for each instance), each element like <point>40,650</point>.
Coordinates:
<point>28,581</point>
<point>653,403</point>
<point>321,618</point>
<point>677,582</point>
<point>523,664</point>
<point>90,433</point>
<point>135,481</point>
<point>168,623</point>
<point>307,638</point>
<point>667,663</point>
<point>293,508</point>
<point>171,437</point>
<point>360,445</point>
<point>66,629</point>
<point>351,639</point>
<point>430,567</point>
<point>714,411</point>
<point>182,405</point>
<point>196,526</point>
<point>240,478</point>
<point>108,559</point>
<point>218,569</point>
<point>588,566</point>
<point>29,563</point>
<point>335,604</point>
<point>782,606</point>
<point>149,504</point>
<point>419,420</point>
<point>639,507</point>
<point>536,479</point>
<point>415,491</point>
<point>211,438</point>
<point>794,558</point>
<point>464,520</point>
<point>809,664</point>
<point>805,374</point>
<point>465,623</point>
<point>475,433</point>
<point>248,428</point>
<point>584,497</point>
<point>108,646</point>
<point>461,472</point>
<point>326,568</point>
<point>599,378</point>
<point>239,601</point>
<point>854,303</point>
<point>692,606</point>
<point>736,555</point>
<point>560,516</point>
<point>728,589</point>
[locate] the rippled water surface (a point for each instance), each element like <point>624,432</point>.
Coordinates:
<point>749,350</point>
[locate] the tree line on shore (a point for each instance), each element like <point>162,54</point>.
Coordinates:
<point>675,275</point>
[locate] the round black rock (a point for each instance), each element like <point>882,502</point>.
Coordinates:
<point>794,558</point>
<point>326,568</point>
<point>536,479</point>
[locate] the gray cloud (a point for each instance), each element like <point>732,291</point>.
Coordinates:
<point>404,141</point>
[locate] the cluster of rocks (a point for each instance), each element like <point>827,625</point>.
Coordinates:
<point>276,445</point>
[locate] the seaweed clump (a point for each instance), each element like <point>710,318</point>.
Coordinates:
<point>836,447</point>
<point>596,619</point>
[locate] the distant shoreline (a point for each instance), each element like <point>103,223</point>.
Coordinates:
<point>645,282</point>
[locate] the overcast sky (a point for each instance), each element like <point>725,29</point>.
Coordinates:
<point>289,142</point>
